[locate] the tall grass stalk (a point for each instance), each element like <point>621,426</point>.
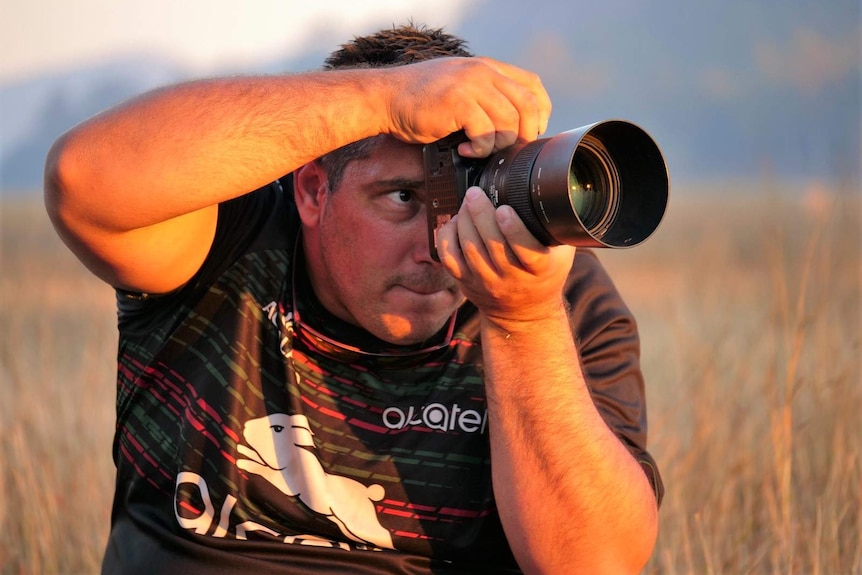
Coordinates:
<point>749,310</point>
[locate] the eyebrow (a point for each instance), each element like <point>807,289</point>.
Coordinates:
<point>397,183</point>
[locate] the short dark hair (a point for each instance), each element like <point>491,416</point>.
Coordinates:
<point>406,44</point>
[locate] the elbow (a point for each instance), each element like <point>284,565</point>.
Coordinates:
<point>629,540</point>
<point>55,178</point>
<point>644,545</point>
<point>632,554</point>
<point>636,535</point>
<point>61,194</point>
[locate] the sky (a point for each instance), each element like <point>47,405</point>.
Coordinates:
<point>729,88</point>
<point>40,36</point>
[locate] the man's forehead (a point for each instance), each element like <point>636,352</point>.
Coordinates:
<point>390,159</point>
<point>386,144</point>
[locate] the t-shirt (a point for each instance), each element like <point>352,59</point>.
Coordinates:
<point>258,432</point>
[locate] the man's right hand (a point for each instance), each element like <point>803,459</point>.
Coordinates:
<point>495,103</point>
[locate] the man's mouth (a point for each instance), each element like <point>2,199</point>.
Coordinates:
<point>426,285</point>
<point>427,290</point>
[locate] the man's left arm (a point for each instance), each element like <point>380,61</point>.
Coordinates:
<point>571,497</point>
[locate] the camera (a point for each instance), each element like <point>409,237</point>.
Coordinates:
<point>601,185</point>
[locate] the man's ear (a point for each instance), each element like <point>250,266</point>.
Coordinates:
<point>310,189</point>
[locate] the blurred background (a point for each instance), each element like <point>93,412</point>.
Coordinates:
<point>748,296</point>
<point>730,89</point>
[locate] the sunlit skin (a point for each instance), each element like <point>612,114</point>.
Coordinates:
<point>367,250</point>
<point>135,192</point>
<point>376,216</point>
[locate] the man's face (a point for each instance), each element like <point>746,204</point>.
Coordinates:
<point>367,249</point>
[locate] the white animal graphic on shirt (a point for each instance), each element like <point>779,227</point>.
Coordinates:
<point>282,452</point>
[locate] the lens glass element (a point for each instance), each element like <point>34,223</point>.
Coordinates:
<point>594,186</point>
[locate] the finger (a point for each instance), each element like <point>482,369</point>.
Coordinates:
<point>493,124</point>
<point>495,249</point>
<point>516,73</point>
<point>517,106</point>
<point>508,116</point>
<point>526,105</point>
<point>529,252</point>
<point>484,146</point>
<point>503,140</point>
<point>527,89</point>
<point>449,249</point>
<point>470,239</point>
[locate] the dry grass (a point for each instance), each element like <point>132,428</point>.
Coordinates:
<point>749,307</point>
<point>57,362</point>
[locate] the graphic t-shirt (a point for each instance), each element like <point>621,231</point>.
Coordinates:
<point>255,430</point>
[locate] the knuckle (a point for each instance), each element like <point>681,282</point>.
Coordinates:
<point>534,79</point>
<point>510,116</point>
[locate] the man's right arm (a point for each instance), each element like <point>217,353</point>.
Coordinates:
<point>134,191</point>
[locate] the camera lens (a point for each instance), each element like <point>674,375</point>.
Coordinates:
<point>602,185</point>
<point>594,186</point>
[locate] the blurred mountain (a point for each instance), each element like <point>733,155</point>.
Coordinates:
<point>730,90</point>
<point>35,112</point>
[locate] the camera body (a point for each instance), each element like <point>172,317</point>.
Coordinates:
<point>447,177</point>
<point>601,185</point>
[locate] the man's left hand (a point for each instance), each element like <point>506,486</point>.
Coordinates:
<point>506,272</point>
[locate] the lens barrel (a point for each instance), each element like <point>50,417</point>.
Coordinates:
<point>601,185</point>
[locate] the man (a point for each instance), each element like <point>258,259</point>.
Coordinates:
<point>301,387</point>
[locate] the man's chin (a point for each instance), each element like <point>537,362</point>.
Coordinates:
<point>404,331</point>
<point>414,318</point>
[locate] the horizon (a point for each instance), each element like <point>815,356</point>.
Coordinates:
<point>733,90</point>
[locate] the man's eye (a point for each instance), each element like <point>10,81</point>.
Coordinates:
<point>402,196</point>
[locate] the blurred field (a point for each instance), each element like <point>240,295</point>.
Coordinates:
<point>749,308</point>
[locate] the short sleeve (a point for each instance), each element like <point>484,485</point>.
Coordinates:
<point>241,222</point>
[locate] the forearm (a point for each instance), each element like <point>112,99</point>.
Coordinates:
<point>183,148</point>
<point>135,190</point>
<point>570,496</point>
<point>179,149</point>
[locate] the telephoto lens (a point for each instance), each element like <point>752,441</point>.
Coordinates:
<point>602,185</point>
